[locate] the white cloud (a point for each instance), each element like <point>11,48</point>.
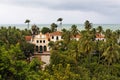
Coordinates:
<point>47,11</point>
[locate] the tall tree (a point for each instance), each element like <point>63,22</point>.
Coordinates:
<point>118,36</point>
<point>74,30</point>
<point>66,35</point>
<point>111,54</point>
<point>108,33</point>
<point>93,33</point>
<point>53,27</point>
<point>27,21</point>
<point>60,20</point>
<point>35,29</point>
<point>88,25</point>
<point>45,30</point>
<point>100,29</point>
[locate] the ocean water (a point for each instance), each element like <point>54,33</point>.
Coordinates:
<point>66,26</point>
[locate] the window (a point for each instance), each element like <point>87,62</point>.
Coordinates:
<point>43,41</point>
<point>48,39</point>
<point>57,38</point>
<point>45,48</point>
<point>52,37</point>
<point>37,48</point>
<point>37,41</point>
<point>40,41</point>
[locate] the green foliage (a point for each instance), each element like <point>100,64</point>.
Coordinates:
<point>35,30</point>
<point>27,21</point>
<point>35,65</point>
<point>85,59</point>
<point>74,30</point>
<point>45,30</point>
<point>88,25</point>
<point>60,20</point>
<point>53,27</point>
<point>27,48</point>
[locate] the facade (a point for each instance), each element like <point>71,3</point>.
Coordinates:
<point>41,41</point>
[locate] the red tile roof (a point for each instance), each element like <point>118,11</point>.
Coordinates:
<point>28,38</point>
<point>99,35</point>
<point>77,36</point>
<point>57,33</point>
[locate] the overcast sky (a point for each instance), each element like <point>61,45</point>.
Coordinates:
<point>48,11</point>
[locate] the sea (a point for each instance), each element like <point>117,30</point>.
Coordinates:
<point>66,26</point>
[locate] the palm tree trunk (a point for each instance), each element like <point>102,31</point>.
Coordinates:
<point>28,25</point>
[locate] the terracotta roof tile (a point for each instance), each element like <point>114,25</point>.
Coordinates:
<point>99,35</point>
<point>57,33</point>
<point>28,38</point>
<point>77,36</point>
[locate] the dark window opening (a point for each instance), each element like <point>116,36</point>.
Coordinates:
<point>40,41</point>
<point>43,41</point>
<point>45,48</point>
<point>52,37</point>
<point>41,49</point>
<point>36,48</point>
<point>37,41</point>
<point>48,39</point>
<point>57,38</point>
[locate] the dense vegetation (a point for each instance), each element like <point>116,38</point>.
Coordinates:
<point>85,59</point>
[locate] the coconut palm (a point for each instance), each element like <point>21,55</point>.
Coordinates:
<point>111,54</point>
<point>108,33</point>
<point>60,20</point>
<point>35,29</point>
<point>88,25</point>
<point>86,47</point>
<point>66,35</point>
<point>118,36</point>
<point>27,21</point>
<point>93,33</point>
<point>53,27</point>
<point>100,29</point>
<point>74,30</point>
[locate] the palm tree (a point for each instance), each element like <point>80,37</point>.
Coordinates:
<point>100,29</point>
<point>93,33</point>
<point>66,35</point>
<point>88,25</point>
<point>108,33</point>
<point>111,54</point>
<point>27,21</point>
<point>118,36</point>
<point>74,30</point>
<point>86,44</point>
<point>53,27</point>
<point>86,47</point>
<point>35,30</point>
<point>60,20</point>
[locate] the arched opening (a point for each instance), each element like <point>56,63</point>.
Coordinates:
<point>57,38</point>
<point>45,48</point>
<point>36,49</point>
<point>41,49</point>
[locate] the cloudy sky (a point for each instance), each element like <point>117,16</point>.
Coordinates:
<point>72,11</point>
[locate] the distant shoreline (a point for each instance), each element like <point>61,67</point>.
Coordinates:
<point>66,26</point>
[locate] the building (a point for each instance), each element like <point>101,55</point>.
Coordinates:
<point>100,37</point>
<point>41,41</point>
